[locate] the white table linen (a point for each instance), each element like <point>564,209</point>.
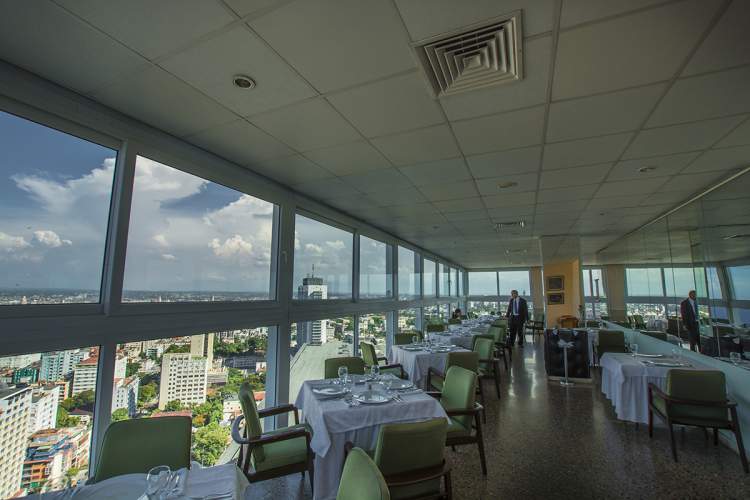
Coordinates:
<point>416,363</point>
<point>201,482</point>
<point>334,423</point>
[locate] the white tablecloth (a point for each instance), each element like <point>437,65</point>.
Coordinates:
<point>334,423</point>
<point>416,363</point>
<point>625,382</point>
<point>201,482</point>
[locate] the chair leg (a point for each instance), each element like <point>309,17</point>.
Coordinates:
<point>496,369</point>
<point>480,446</point>
<point>716,436</point>
<point>448,485</point>
<point>741,449</point>
<point>480,387</point>
<point>650,423</point>
<point>671,439</point>
<point>311,470</point>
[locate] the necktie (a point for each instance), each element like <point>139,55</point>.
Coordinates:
<point>515,307</point>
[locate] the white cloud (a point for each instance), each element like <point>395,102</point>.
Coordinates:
<point>50,239</point>
<point>160,240</point>
<point>234,246</point>
<point>336,245</point>
<point>159,182</point>
<point>10,243</point>
<point>313,248</point>
<point>168,256</point>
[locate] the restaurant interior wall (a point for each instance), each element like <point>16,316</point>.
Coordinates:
<point>570,271</point>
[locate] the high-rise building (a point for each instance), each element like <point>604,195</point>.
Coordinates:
<point>26,375</point>
<point>44,402</point>
<point>52,452</point>
<point>19,361</point>
<point>125,394</point>
<point>203,345</point>
<point>183,377</point>
<point>312,332</point>
<point>56,365</point>
<point>85,373</point>
<point>15,412</point>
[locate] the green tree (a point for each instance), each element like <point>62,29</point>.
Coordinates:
<point>132,369</point>
<point>147,392</point>
<point>65,420</point>
<point>174,405</point>
<point>177,348</point>
<point>209,443</point>
<point>120,414</point>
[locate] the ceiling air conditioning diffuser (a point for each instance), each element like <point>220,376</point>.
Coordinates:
<point>473,57</point>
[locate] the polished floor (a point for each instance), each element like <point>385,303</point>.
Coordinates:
<point>546,441</point>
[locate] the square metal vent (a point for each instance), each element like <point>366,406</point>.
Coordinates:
<point>473,57</point>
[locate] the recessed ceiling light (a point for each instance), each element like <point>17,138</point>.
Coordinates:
<point>647,168</point>
<point>243,82</point>
<point>506,184</point>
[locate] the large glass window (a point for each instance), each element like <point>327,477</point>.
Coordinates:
<point>714,286</point>
<point>483,283</point>
<point>594,293</point>
<point>194,240</point>
<point>739,279</point>
<point>198,376</point>
<point>322,260</point>
<point>456,281</point>
<point>407,320</point>
<point>644,282</point>
<point>460,282</point>
<point>480,308</point>
<point>680,280</point>
<point>514,280</point>
<point>54,199</point>
<point>408,275</point>
<point>312,343</point>
<point>46,417</point>
<point>373,328</point>
<point>431,315</point>
<point>430,277</point>
<point>445,281</point>
<point>375,277</point>
<point>647,311</point>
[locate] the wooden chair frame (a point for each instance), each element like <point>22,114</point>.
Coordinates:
<point>477,438</point>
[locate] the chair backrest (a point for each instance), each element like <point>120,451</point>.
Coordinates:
<point>137,445</point>
<point>500,322</point>
<point>498,333</point>
<point>436,327</point>
<point>466,360</point>
<point>368,353</point>
<point>454,321</point>
<point>253,428</point>
<point>655,334</point>
<point>459,393</point>
<point>611,338</point>
<point>402,338</point>
<point>361,479</point>
<point>483,346</point>
<point>700,385</point>
<point>353,364</point>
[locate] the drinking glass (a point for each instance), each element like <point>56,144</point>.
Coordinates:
<point>157,479</point>
<point>735,358</point>
<point>675,354</point>
<point>414,339</point>
<point>634,349</point>
<point>343,375</point>
<point>375,372</point>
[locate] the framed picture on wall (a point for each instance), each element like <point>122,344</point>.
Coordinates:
<point>555,299</point>
<point>555,283</point>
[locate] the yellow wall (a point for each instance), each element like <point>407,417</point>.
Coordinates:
<point>571,272</point>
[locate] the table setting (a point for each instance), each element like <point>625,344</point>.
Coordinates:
<point>417,358</point>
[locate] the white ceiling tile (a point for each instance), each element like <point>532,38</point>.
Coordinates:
<point>592,174</point>
<point>291,170</point>
<point>512,162</point>
<point>727,45</point>
<point>161,26</point>
<point>427,18</point>
<point>162,101</point>
<point>376,180</point>
<point>567,194</point>
<point>509,200</point>
<point>662,165</point>
<point>704,96</point>
<point>468,215</point>
<point>510,130</point>
<point>561,206</point>
<point>352,158</point>
<point>396,196</point>
<point>324,188</point>
<point>416,146</point>
<point>505,213</point>
<point>720,159</point>
<point>491,186</point>
<point>639,187</point>
<point>450,170</point>
<point>336,44</point>
<point>620,111</point>
<point>254,7</point>
<point>530,91</point>
<point>412,209</point>
<point>240,142</point>
<point>389,106</point>
<point>26,42</point>
<point>449,190</point>
<point>631,50</point>
<point>661,198</point>
<point>583,11</point>
<point>691,182</point>
<point>680,138</point>
<point>614,202</point>
<point>584,151</point>
<point>235,52</point>
<point>307,125</point>
<point>738,137</point>
<point>459,205</point>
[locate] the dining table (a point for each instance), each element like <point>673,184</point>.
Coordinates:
<point>220,482</point>
<point>417,359</point>
<point>336,420</point>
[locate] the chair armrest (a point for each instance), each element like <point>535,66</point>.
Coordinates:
<point>383,358</point>
<point>278,410</point>
<point>266,438</point>
<point>434,371</point>
<point>416,476</point>
<point>691,402</point>
<point>470,411</point>
<point>394,365</point>
<point>434,394</point>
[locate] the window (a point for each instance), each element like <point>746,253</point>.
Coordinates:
<point>192,240</point>
<point>54,199</point>
<point>482,308</point>
<point>680,280</point>
<point>593,283</point>
<point>461,282</point>
<point>407,320</point>
<point>46,418</point>
<point>312,343</point>
<point>445,281</point>
<point>430,278</point>
<point>648,311</point>
<point>199,376</point>
<point>714,286</point>
<point>432,315</point>
<point>374,269</point>
<point>482,283</point>
<point>372,328</point>
<point>739,279</point>
<point>408,275</point>
<point>456,281</point>
<point>322,261</point>
<point>644,282</point>
<point>514,280</point>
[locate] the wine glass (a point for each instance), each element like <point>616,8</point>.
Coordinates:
<point>414,339</point>
<point>675,354</point>
<point>634,349</point>
<point>735,358</point>
<point>343,375</point>
<point>157,479</point>
<point>375,372</point>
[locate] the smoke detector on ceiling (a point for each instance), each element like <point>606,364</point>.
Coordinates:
<point>473,57</point>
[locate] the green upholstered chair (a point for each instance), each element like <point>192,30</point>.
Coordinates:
<point>266,455</point>
<point>610,341</point>
<point>410,456</point>
<point>435,327</point>
<point>697,398</point>
<point>466,360</point>
<point>458,399</point>
<point>500,322</point>
<point>535,328</point>
<point>454,321</point>
<point>361,479</point>
<point>489,365</point>
<point>404,338</point>
<point>499,334</point>
<point>370,356</point>
<point>655,334</point>
<point>354,365</point>
<point>137,445</point>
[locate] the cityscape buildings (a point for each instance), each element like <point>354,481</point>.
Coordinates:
<point>44,403</point>
<point>56,365</point>
<point>15,413</point>
<point>183,378</point>
<point>312,332</point>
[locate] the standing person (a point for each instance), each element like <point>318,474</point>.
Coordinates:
<point>517,314</point>
<point>689,313</point>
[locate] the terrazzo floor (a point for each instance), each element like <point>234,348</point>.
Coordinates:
<point>546,441</point>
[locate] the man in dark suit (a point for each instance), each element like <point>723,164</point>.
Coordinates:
<point>690,317</point>
<point>517,314</point>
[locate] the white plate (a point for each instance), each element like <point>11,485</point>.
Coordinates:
<point>372,398</point>
<point>328,391</point>
<point>399,384</point>
<point>650,355</point>
<point>412,349</point>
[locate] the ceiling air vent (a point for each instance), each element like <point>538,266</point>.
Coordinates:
<point>473,57</point>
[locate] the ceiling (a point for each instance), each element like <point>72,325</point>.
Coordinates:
<point>342,113</point>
